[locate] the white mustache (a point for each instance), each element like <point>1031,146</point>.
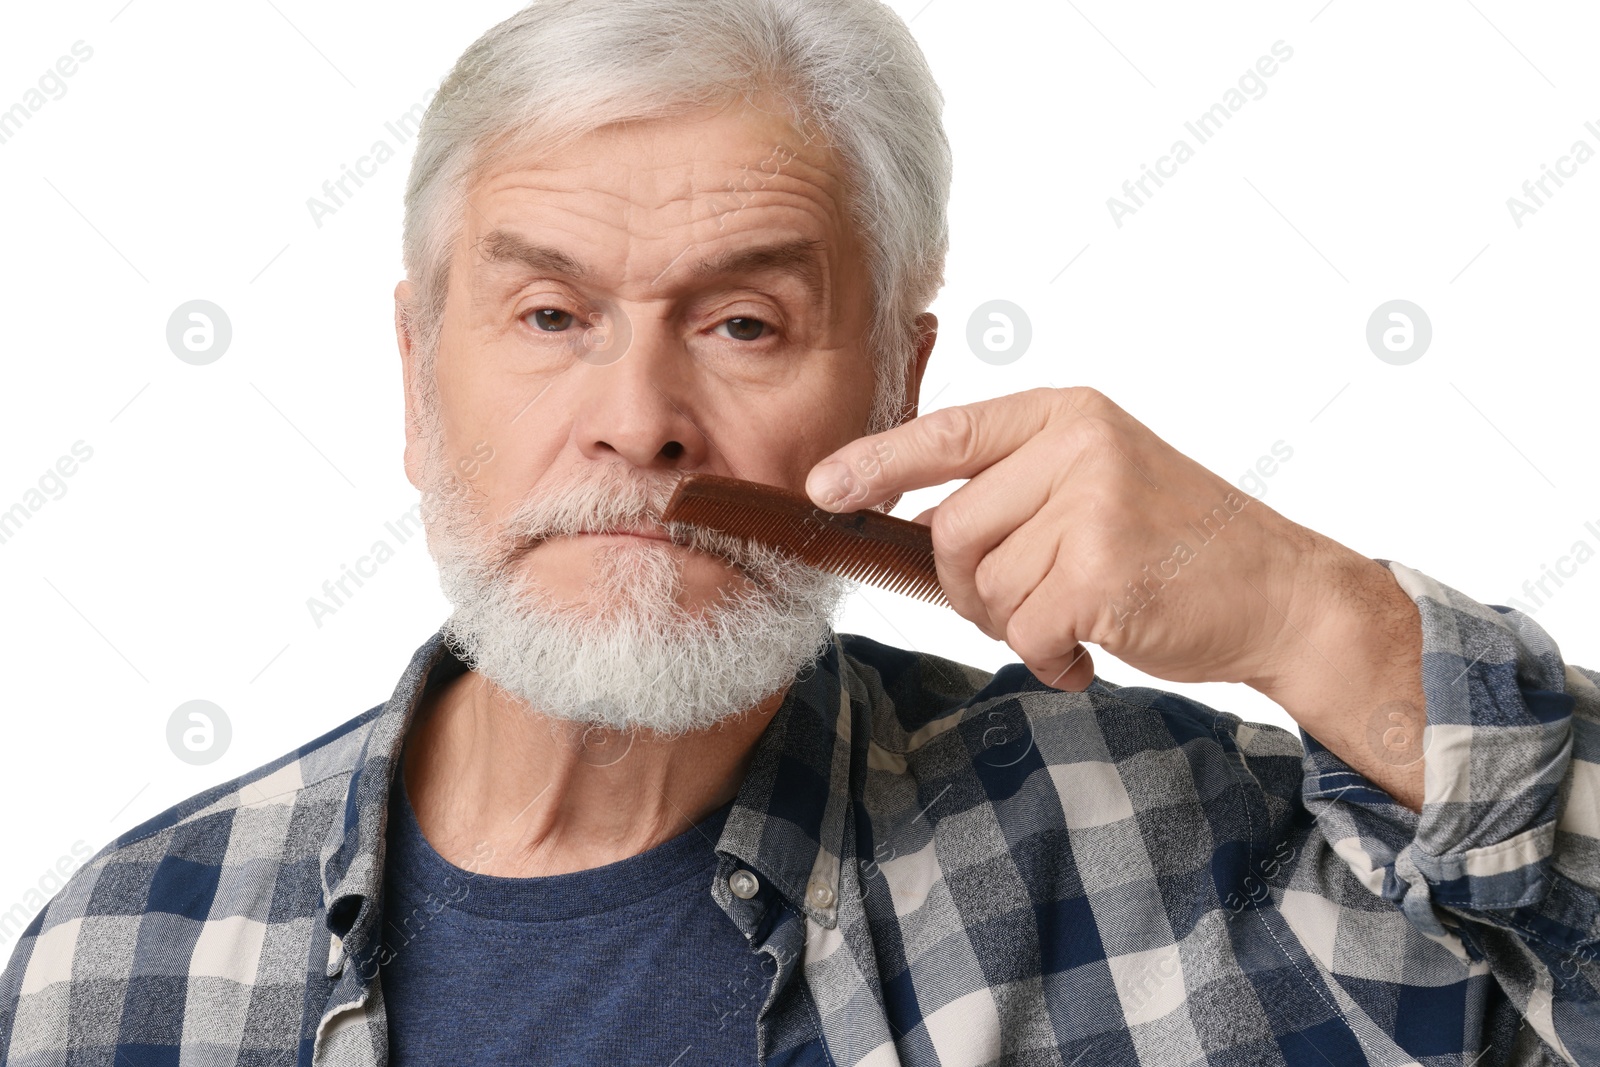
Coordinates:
<point>607,500</point>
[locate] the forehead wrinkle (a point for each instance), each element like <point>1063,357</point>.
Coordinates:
<point>648,188</point>
<point>569,198</point>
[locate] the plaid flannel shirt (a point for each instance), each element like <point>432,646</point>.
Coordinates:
<point>954,868</point>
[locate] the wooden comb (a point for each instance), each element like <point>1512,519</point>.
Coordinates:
<point>866,546</point>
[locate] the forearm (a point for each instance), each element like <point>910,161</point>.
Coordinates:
<point>1504,856</point>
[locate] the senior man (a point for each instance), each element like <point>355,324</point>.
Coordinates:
<point>637,802</point>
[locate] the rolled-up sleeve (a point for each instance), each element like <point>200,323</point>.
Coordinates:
<point>1504,858</point>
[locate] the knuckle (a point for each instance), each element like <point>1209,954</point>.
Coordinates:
<point>1098,559</point>
<point>1080,435</point>
<point>1095,438</point>
<point>987,580</point>
<point>1085,398</point>
<point>1103,442</point>
<point>1026,639</point>
<point>951,529</point>
<point>953,430</point>
<point>1058,397</point>
<point>1085,407</point>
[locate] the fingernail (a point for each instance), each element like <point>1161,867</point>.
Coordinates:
<point>828,484</point>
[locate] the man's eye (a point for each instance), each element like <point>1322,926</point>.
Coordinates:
<point>743,329</point>
<point>551,320</point>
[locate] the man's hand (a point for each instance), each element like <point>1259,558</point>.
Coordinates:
<point>1079,524</point>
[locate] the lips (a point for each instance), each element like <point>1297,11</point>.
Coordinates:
<point>658,533</point>
<point>651,532</point>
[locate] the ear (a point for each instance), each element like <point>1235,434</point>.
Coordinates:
<point>415,445</point>
<point>927,334</point>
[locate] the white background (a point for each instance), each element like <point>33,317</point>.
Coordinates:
<point>1228,314</point>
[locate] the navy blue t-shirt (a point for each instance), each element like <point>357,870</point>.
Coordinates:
<point>629,963</point>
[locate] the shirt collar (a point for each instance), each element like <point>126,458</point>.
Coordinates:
<point>786,823</point>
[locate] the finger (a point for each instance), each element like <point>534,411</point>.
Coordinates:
<point>978,517</point>
<point>1070,673</point>
<point>1018,565</point>
<point>941,446</point>
<point>968,608</point>
<point>1042,634</point>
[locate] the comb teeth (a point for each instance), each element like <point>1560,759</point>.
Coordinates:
<point>863,546</point>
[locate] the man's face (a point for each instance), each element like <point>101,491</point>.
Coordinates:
<point>678,295</point>
<point>731,299</point>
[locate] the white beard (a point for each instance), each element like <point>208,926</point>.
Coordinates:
<point>629,657</point>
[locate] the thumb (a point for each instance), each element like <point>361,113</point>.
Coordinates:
<point>1072,672</point>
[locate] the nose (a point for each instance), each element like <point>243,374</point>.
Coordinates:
<point>635,403</point>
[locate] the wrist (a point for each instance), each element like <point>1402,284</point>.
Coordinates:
<point>1348,669</point>
<point>1323,615</point>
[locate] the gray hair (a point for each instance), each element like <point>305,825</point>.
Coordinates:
<point>847,69</point>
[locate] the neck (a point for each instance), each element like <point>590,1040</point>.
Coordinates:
<point>503,790</point>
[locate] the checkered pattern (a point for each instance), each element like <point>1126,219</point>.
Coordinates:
<point>954,868</point>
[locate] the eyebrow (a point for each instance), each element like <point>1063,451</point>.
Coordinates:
<point>799,258</point>
<point>501,246</point>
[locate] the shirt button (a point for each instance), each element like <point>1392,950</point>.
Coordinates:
<point>743,884</point>
<point>821,894</point>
